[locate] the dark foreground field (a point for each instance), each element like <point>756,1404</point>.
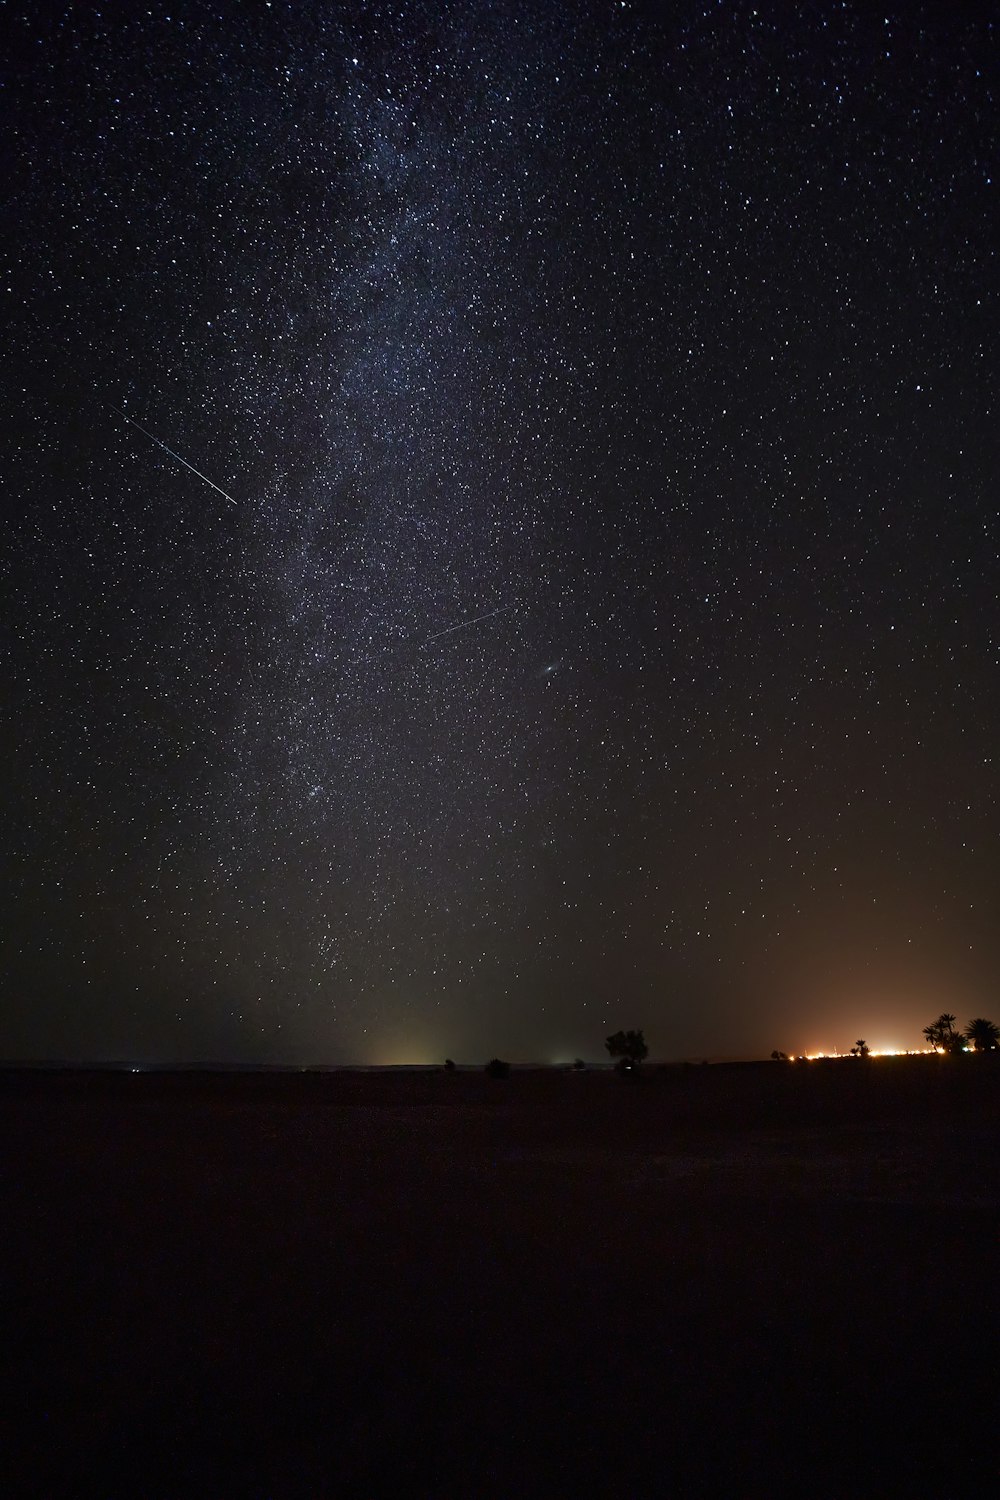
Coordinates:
<point>723,1281</point>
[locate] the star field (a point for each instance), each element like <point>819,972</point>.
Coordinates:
<point>605,628</point>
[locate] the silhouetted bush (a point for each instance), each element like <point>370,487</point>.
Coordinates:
<point>496,1068</point>
<point>579,1065</point>
<point>449,1066</point>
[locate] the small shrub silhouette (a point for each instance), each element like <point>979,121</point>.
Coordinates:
<point>496,1068</point>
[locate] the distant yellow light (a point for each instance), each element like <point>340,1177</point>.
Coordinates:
<point>875,1052</point>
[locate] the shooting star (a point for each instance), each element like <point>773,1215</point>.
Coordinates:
<point>413,643</point>
<point>464,624</point>
<point>154,439</point>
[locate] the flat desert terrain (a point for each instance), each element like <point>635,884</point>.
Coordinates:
<point>733,1280</point>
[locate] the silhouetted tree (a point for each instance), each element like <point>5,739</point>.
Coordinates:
<point>983,1034</point>
<point>579,1065</point>
<point>860,1048</point>
<point>777,1056</point>
<point>942,1034</point>
<point>496,1068</point>
<point>629,1047</point>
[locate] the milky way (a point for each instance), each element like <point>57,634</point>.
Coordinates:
<point>603,630</point>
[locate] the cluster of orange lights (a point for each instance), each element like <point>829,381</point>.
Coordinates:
<point>872,1052</point>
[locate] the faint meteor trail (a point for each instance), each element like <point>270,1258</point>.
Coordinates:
<point>154,439</point>
<point>412,643</point>
<point>464,624</point>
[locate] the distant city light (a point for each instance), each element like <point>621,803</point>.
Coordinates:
<point>874,1052</point>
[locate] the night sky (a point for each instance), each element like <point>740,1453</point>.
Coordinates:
<point>595,622</point>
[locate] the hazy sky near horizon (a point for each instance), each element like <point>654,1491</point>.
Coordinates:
<point>581,607</point>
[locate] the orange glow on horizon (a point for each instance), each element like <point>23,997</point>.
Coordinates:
<point>873,1052</point>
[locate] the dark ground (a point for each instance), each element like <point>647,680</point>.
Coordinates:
<point>724,1281</point>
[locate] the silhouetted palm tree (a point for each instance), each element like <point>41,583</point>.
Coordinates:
<point>942,1034</point>
<point>983,1034</point>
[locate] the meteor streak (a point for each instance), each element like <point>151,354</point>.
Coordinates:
<point>153,439</point>
<point>464,624</point>
<point>415,644</point>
